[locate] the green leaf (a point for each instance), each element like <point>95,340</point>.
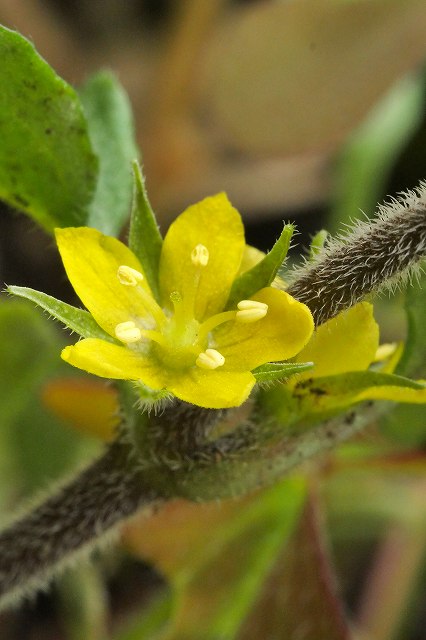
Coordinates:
<point>75,319</point>
<point>111,130</point>
<point>22,334</point>
<point>217,557</point>
<point>29,354</point>
<point>303,571</point>
<point>414,356</point>
<point>367,159</point>
<point>275,371</point>
<point>343,390</point>
<point>263,273</point>
<point>145,239</point>
<point>47,165</point>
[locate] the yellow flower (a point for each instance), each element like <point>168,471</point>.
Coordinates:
<point>345,350</point>
<point>186,342</point>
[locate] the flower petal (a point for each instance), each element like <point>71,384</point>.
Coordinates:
<point>109,360</point>
<point>91,261</point>
<point>395,394</point>
<point>209,389</point>
<point>214,223</point>
<point>281,334</point>
<point>348,342</point>
<point>212,389</point>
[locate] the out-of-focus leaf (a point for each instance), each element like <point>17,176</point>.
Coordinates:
<point>39,447</point>
<point>367,158</point>
<point>83,603</point>
<point>299,598</point>
<point>217,555</point>
<point>305,73</point>
<point>28,350</point>
<point>407,423</point>
<point>85,404</point>
<point>413,360</point>
<point>110,122</point>
<point>47,165</point>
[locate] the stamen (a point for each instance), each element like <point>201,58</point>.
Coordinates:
<point>200,256</point>
<point>132,278</point>
<point>128,332</point>
<point>210,359</point>
<point>213,322</point>
<point>251,310</point>
<point>128,276</point>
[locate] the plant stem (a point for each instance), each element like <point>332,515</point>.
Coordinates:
<point>372,256</point>
<point>72,520</point>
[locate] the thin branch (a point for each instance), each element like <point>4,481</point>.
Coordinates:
<point>175,454</point>
<point>34,547</point>
<point>372,256</point>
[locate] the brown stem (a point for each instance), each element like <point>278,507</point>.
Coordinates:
<point>108,491</point>
<point>372,256</point>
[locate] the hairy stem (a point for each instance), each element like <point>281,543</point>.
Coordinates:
<point>372,256</point>
<point>176,456</point>
<point>105,493</point>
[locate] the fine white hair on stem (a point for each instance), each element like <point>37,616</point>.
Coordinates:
<point>370,256</point>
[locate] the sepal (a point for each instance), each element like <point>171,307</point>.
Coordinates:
<point>279,371</point>
<point>75,319</point>
<point>263,273</point>
<point>145,239</point>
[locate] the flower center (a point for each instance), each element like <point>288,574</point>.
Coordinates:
<point>177,338</point>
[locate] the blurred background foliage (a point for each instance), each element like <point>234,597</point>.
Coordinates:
<point>305,110</point>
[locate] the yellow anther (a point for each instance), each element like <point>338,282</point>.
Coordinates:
<point>128,332</point>
<point>210,359</point>
<point>128,276</point>
<point>200,256</point>
<point>251,310</point>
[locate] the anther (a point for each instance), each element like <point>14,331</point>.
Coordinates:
<point>251,310</point>
<point>128,332</point>
<point>128,276</point>
<point>200,256</point>
<point>210,359</point>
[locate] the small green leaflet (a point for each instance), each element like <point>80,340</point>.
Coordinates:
<point>75,319</point>
<point>276,371</point>
<point>263,273</point>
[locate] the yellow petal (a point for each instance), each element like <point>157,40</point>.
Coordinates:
<point>346,343</point>
<point>109,360</point>
<point>389,365</point>
<point>251,257</point>
<point>216,389</point>
<point>91,261</point>
<point>216,225</point>
<point>281,334</point>
<point>210,389</point>
<point>395,394</point>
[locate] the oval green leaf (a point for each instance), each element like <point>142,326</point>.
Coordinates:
<point>47,165</point>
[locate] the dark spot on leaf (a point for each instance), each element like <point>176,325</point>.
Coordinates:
<point>317,391</point>
<point>349,419</point>
<point>20,200</point>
